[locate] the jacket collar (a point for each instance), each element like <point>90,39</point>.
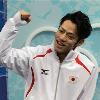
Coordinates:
<point>71,55</point>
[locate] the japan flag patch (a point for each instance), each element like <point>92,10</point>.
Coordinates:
<point>73,79</point>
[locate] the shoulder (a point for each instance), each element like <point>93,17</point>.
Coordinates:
<point>37,49</point>
<point>85,62</point>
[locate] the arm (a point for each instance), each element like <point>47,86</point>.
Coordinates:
<point>15,59</point>
<point>89,89</point>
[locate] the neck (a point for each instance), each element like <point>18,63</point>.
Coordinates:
<point>62,56</point>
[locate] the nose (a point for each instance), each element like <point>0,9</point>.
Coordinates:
<point>63,37</point>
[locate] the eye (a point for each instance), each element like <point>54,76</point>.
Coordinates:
<point>70,37</point>
<point>61,31</point>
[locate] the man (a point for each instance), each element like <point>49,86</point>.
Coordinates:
<point>52,72</point>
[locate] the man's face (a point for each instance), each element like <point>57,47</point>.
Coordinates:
<point>66,37</point>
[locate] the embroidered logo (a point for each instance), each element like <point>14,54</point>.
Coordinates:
<point>73,79</point>
<point>44,71</point>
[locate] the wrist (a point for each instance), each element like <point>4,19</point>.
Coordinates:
<point>17,19</point>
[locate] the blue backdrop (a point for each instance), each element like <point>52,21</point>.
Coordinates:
<point>3,74</point>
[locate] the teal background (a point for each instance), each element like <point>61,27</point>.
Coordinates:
<point>48,13</point>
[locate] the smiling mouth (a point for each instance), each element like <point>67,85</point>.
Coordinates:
<point>59,43</point>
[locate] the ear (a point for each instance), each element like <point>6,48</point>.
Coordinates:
<point>80,42</point>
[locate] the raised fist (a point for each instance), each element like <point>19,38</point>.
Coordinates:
<point>25,16</point>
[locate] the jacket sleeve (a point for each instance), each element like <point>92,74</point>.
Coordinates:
<point>15,59</point>
<point>89,89</point>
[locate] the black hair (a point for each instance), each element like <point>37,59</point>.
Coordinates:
<point>82,22</point>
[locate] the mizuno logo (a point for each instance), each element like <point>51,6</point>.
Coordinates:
<point>45,72</point>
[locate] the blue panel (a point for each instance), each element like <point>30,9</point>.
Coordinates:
<point>3,87</point>
<point>3,13</point>
<point>1,5</point>
<point>3,78</point>
<point>2,71</point>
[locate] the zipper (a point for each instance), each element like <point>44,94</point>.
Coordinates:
<point>57,81</point>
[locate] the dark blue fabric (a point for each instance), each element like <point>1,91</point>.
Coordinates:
<point>3,73</point>
<point>3,12</point>
<point>3,88</point>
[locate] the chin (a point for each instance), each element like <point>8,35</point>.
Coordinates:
<point>59,50</point>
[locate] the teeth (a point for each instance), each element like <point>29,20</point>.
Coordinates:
<point>60,43</point>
